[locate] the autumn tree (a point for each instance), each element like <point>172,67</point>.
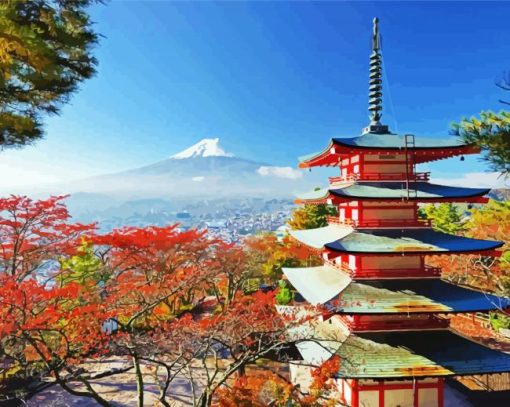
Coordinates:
<point>61,284</point>
<point>230,261</point>
<point>33,234</point>
<point>269,254</point>
<point>311,216</point>
<point>45,52</point>
<point>40,322</point>
<point>492,222</point>
<point>491,132</point>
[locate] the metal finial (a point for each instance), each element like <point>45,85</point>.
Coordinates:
<point>376,42</point>
<point>375,88</point>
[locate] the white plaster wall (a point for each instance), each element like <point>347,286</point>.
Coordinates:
<point>427,398</point>
<point>369,398</point>
<point>398,398</point>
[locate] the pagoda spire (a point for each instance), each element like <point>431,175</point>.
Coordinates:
<point>375,84</point>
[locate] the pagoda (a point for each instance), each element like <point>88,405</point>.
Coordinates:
<point>387,311</point>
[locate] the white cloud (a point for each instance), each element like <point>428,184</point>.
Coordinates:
<point>280,172</point>
<point>198,179</point>
<point>475,180</point>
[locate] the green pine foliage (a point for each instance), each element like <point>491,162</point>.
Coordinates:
<point>84,267</point>
<point>284,295</point>
<point>491,132</point>
<point>446,217</point>
<point>45,52</point>
<point>311,216</point>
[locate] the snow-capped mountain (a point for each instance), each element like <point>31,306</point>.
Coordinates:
<point>203,170</point>
<point>208,147</point>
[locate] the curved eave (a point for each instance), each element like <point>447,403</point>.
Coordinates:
<point>413,252</point>
<point>419,191</point>
<point>338,196</point>
<point>417,354</point>
<point>344,239</point>
<point>337,150</point>
<point>317,285</point>
<point>326,158</point>
<point>409,241</point>
<point>317,238</point>
<point>413,297</point>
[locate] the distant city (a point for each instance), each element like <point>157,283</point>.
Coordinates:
<point>230,220</point>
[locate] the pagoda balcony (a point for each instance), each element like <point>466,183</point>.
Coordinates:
<point>380,223</point>
<point>359,323</point>
<point>394,273</point>
<point>377,176</point>
<point>426,272</point>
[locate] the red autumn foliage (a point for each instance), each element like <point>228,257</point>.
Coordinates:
<point>33,232</point>
<point>153,283</point>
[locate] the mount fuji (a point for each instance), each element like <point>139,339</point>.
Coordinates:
<point>204,170</point>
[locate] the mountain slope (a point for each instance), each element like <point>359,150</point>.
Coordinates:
<point>202,171</point>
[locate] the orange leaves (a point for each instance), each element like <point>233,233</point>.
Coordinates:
<point>323,374</point>
<point>258,389</point>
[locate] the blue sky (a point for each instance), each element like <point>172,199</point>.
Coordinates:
<point>272,80</point>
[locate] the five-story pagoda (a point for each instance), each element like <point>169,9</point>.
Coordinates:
<point>387,309</point>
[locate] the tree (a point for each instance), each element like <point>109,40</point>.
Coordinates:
<point>445,217</point>
<point>268,255</point>
<point>34,234</point>
<point>284,295</point>
<point>140,278</point>
<point>45,52</point>
<point>487,273</point>
<point>492,134</point>
<point>311,216</point>
<point>504,83</point>
<point>265,388</point>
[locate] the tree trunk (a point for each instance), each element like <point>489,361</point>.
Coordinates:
<point>205,399</point>
<point>139,380</point>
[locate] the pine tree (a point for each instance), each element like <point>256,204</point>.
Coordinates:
<point>45,52</point>
<point>492,134</point>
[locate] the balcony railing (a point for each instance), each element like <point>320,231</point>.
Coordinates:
<point>371,273</point>
<point>377,176</point>
<point>398,324</point>
<point>426,272</point>
<point>380,223</point>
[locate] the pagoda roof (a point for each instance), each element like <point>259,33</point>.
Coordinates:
<point>409,241</point>
<point>407,354</point>
<point>421,191</point>
<point>414,296</point>
<point>397,141</point>
<point>319,285</point>
<point>318,238</point>
<point>417,354</point>
<point>345,239</point>
<point>425,148</point>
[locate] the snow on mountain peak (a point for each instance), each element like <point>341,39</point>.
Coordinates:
<point>208,147</point>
